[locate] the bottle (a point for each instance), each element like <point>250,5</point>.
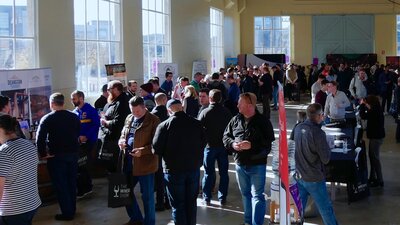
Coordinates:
<point>345,146</point>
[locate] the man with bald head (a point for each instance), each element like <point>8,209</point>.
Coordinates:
<point>180,141</point>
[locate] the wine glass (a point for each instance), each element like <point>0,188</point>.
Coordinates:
<point>116,190</point>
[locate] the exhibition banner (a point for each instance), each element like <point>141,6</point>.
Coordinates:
<point>117,72</point>
<point>167,67</point>
<point>29,91</point>
<point>284,207</point>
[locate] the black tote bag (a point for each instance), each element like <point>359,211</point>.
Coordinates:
<point>119,191</point>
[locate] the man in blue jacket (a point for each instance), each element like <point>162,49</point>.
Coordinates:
<point>90,123</point>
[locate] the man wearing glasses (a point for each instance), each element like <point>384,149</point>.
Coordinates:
<point>249,136</point>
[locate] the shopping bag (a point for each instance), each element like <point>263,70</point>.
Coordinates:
<point>119,191</point>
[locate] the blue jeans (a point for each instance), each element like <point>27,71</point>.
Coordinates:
<point>20,219</point>
<point>182,190</point>
<point>210,155</point>
<point>275,96</point>
<point>63,171</point>
<point>318,192</point>
<point>251,180</point>
<point>147,189</point>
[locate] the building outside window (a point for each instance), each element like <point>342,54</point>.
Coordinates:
<point>272,35</point>
<point>97,42</point>
<point>217,39</point>
<point>17,34</point>
<point>156,35</point>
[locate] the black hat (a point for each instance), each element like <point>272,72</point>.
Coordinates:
<point>148,87</point>
<point>173,102</point>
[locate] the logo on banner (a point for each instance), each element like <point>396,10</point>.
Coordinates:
<point>14,82</point>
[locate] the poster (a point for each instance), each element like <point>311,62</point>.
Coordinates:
<point>167,67</point>
<point>117,72</point>
<point>231,62</point>
<point>251,60</point>
<point>199,66</point>
<point>29,91</point>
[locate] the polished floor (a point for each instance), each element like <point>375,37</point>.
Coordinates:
<point>381,207</point>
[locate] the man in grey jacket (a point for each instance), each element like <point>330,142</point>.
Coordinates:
<point>312,152</point>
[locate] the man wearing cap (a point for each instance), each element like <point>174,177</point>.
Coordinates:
<point>249,136</point>
<point>180,141</point>
<point>145,92</point>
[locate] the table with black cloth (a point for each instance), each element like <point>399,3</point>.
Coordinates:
<point>347,167</point>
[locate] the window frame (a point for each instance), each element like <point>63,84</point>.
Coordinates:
<point>277,42</point>
<point>93,84</point>
<point>150,63</point>
<point>14,37</point>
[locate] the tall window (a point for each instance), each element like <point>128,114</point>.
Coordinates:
<point>97,42</point>
<point>272,35</point>
<point>398,34</point>
<point>156,35</point>
<point>217,39</point>
<point>17,34</point>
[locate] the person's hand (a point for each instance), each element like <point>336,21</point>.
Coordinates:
<point>245,145</point>
<point>48,156</point>
<point>236,146</point>
<point>136,152</point>
<point>103,122</point>
<point>82,139</point>
<point>122,144</point>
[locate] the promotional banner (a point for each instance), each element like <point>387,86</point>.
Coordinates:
<point>199,66</point>
<point>284,206</point>
<point>29,91</point>
<point>117,72</point>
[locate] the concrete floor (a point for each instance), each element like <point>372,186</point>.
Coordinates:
<point>382,207</point>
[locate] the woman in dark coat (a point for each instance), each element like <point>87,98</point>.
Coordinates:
<point>371,110</point>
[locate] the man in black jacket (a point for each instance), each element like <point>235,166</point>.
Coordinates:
<point>214,120</point>
<point>180,141</point>
<point>112,123</point>
<point>249,135</point>
<point>161,112</point>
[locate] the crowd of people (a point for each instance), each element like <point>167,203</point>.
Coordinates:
<point>167,132</point>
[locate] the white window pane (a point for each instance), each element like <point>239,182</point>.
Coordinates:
<point>268,23</point>
<point>276,20</point>
<point>145,26</point>
<point>145,4</point>
<point>104,57</point>
<point>258,38</point>
<point>24,54</point>
<point>267,42</point>
<point>104,20</point>
<point>159,5</point>
<point>258,50</point>
<point>152,25</point>
<point>92,57</point>
<point>6,19</point>
<point>80,56</point>
<point>258,23</point>
<point>6,54</point>
<point>24,24</point>
<point>166,8</point>
<point>268,51</point>
<point>115,22</point>
<point>166,30</point>
<point>152,5</point>
<point>277,41</point>
<point>79,19</point>
<point>92,19</point>
<point>115,52</point>
<point>159,28</point>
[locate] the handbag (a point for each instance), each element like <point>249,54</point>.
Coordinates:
<point>119,190</point>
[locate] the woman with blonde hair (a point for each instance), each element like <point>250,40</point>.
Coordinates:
<point>190,101</point>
